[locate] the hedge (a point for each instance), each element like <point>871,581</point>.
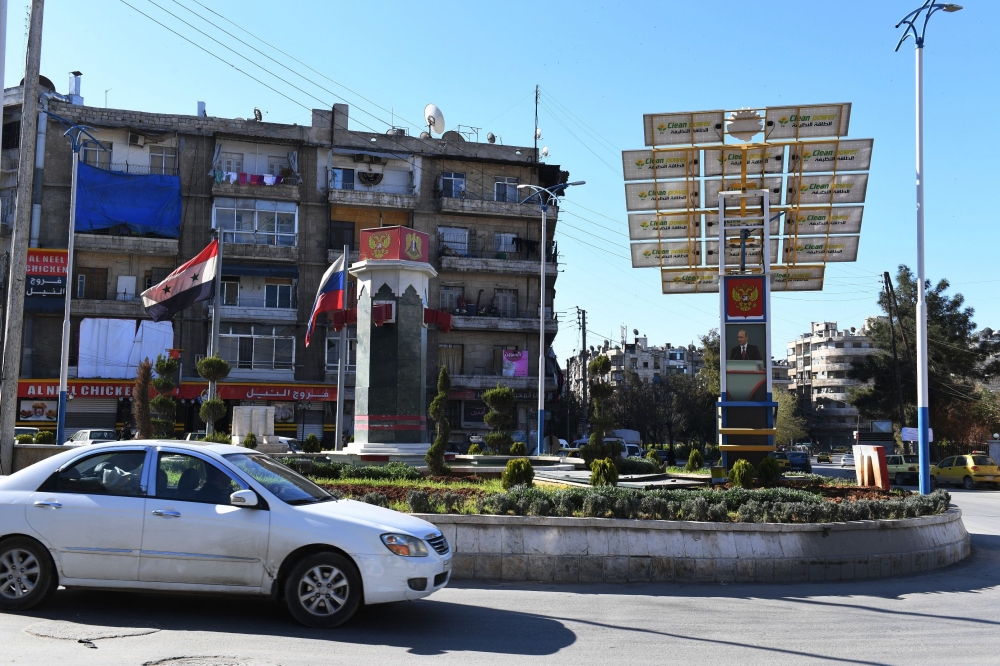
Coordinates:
<point>390,472</point>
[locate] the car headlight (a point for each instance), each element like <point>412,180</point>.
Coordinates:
<point>405,545</point>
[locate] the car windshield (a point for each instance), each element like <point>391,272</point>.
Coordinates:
<point>286,484</point>
<point>103,434</point>
<point>982,460</point>
<point>797,455</point>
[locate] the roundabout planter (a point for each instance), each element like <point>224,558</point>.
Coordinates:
<point>594,550</point>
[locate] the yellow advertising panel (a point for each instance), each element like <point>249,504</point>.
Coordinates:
<point>849,155</point>
<point>823,221</point>
<point>734,223</point>
<point>677,253</point>
<point>797,278</point>
<point>806,122</point>
<point>661,196</point>
<point>660,164</point>
<point>690,280</point>
<point>646,226</point>
<point>825,189</point>
<point>712,188</point>
<point>819,249</point>
<point>666,129</point>
<point>729,161</point>
<point>733,253</point>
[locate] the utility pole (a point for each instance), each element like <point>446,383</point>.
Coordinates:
<point>536,133</point>
<point>19,243</point>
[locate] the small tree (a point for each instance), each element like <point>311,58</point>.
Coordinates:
<point>250,441</point>
<point>742,474</point>
<point>435,454</point>
<point>211,411</point>
<point>518,472</point>
<point>140,400</point>
<point>163,404</point>
<point>603,473</point>
<point>45,437</point>
<point>213,369</point>
<point>312,444</point>
<point>695,461</point>
<point>601,421</point>
<point>500,400</point>
<point>768,472</point>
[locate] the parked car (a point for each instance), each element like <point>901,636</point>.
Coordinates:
<point>799,461</point>
<point>88,437</point>
<point>171,516</point>
<point>824,456</point>
<point>566,452</point>
<point>24,430</point>
<point>292,444</point>
<point>840,449</point>
<point>782,459</point>
<point>965,471</point>
<point>847,460</point>
<point>902,468</point>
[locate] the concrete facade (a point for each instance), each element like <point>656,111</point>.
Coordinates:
<point>649,362</point>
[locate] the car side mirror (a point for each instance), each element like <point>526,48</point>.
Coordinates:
<point>243,498</point>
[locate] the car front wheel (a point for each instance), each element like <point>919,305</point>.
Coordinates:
<point>968,483</point>
<point>934,483</point>
<point>27,574</point>
<point>323,590</point>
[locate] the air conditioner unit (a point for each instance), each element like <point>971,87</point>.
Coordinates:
<point>360,157</point>
<point>376,160</point>
<point>136,140</point>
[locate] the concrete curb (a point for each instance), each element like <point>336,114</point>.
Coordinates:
<point>595,550</point>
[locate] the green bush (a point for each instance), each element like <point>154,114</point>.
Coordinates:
<point>651,455</point>
<point>695,461</point>
<point>212,410</point>
<point>218,437</point>
<point>768,472</point>
<point>518,449</point>
<point>312,444</point>
<point>418,501</point>
<point>637,466</point>
<point>213,368</point>
<point>741,475</point>
<point>435,454</point>
<point>518,472</point>
<point>45,437</point>
<point>603,473</point>
<point>250,441</point>
<point>24,439</point>
<point>453,502</point>
<point>475,450</point>
<point>394,471</point>
<point>376,498</point>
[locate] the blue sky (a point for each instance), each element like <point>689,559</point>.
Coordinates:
<point>600,67</point>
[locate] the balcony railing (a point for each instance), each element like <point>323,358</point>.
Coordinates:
<point>486,245</point>
<point>250,302</point>
<point>137,169</point>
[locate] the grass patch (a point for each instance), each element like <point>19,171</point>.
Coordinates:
<point>704,471</point>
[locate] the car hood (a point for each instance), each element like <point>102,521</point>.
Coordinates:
<point>375,516</point>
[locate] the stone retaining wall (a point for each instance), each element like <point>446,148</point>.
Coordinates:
<point>593,550</point>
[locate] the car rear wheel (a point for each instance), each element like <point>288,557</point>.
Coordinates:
<point>900,479</point>
<point>27,574</point>
<point>323,590</point>
<point>968,483</point>
<point>934,483</point>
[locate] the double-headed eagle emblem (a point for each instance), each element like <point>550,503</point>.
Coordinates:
<point>379,244</point>
<point>745,297</point>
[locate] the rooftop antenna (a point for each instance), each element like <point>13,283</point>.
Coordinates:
<point>435,120</point>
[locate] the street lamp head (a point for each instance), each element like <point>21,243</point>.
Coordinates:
<point>952,8</point>
<point>577,182</point>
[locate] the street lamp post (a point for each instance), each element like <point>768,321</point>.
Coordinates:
<point>923,416</point>
<point>546,197</point>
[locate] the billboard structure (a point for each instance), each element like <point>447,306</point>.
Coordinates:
<point>745,203</point>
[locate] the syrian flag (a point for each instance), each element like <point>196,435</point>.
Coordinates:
<point>192,282</point>
<point>330,295</point>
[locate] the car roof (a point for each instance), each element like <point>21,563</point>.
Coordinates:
<point>218,449</point>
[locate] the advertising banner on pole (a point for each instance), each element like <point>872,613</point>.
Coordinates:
<point>818,249</point>
<point>823,221</point>
<point>690,280</point>
<point>654,255</point>
<point>826,189</point>
<point>660,164</point>
<point>797,278</point>
<point>850,155</point>
<point>664,129</point>
<point>729,161</point>
<point>805,122</point>
<point>673,195</point>
<point>712,188</point>
<point>646,226</point>
<point>745,298</point>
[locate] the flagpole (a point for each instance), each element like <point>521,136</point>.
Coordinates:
<point>213,348</point>
<point>341,363</point>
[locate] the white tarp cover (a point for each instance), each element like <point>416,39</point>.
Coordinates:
<point>673,195</point>
<point>770,159</point>
<point>811,250</point>
<point>664,129</point>
<point>677,253</point>
<point>104,350</point>
<point>825,190</point>
<point>660,164</point>
<point>805,122</point>
<point>712,188</point>
<point>733,253</point>
<point>851,155</point>
<point>646,226</point>
<point>151,340</point>
<point>821,221</point>
<point>797,278</point>
<point>690,280</point>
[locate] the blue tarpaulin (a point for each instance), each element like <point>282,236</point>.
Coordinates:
<point>145,204</point>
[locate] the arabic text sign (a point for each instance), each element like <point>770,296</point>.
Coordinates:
<point>515,363</point>
<point>851,155</point>
<point>814,190</point>
<point>660,164</point>
<point>734,223</point>
<point>690,280</point>
<point>821,221</point>
<point>913,434</point>
<point>646,226</point>
<point>713,187</point>
<point>753,253</point>
<point>820,249</point>
<point>45,272</point>
<point>729,161</point>
<point>677,253</point>
<point>664,129</point>
<point>797,278</point>
<point>803,122</point>
<point>661,196</point>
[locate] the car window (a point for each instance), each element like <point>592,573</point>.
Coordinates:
<point>284,483</point>
<point>103,434</point>
<point>109,473</point>
<point>911,460</point>
<point>892,460</point>
<point>946,462</point>
<point>190,479</point>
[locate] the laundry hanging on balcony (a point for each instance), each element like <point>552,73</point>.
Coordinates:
<point>143,203</point>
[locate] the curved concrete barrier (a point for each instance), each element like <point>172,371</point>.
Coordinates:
<point>518,548</point>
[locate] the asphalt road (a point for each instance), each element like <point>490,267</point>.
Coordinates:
<point>950,616</point>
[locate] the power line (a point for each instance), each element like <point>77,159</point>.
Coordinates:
<point>594,133</point>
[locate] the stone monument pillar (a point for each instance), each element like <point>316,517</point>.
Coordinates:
<point>390,400</point>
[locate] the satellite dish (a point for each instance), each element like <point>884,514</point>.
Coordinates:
<point>545,151</point>
<point>257,114</point>
<point>425,135</point>
<point>635,331</point>
<point>435,119</point>
<point>538,132</point>
<point>491,137</point>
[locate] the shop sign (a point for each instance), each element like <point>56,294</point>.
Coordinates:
<point>45,273</point>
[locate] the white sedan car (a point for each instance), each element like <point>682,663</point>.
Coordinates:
<point>178,516</point>
<point>88,437</point>
<point>847,460</point>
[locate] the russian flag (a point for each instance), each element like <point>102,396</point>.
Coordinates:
<point>330,295</point>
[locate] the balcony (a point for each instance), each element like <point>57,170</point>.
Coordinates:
<point>819,382</point>
<point>382,196</point>
<point>486,382</point>
<point>487,205</point>
<point>352,256</point>
<point>124,306</point>
<point>282,192</point>
<point>255,310</point>
<point>260,252</point>
<point>494,251</point>
<point>521,322</point>
<point>132,245</point>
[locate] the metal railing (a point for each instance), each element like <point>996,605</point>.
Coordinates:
<point>260,238</point>
<point>247,302</point>
<point>486,244</point>
<point>137,169</point>
<point>496,312</point>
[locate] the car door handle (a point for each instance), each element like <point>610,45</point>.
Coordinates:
<point>50,505</point>
<point>167,514</point>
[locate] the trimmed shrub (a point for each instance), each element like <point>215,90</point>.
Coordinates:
<point>45,437</point>
<point>212,410</point>
<point>741,475</point>
<point>500,400</point>
<point>518,472</point>
<point>435,454</point>
<point>475,450</point>
<point>768,472</point>
<point>376,498</point>
<point>453,502</point>
<point>312,444</point>
<point>540,506</point>
<point>603,473</point>
<point>213,368</point>
<point>595,506</point>
<point>637,466</point>
<point>418,501</point>
<point>24,439</point>
<point>518,449</point>
<point>250,441</point>
<point>695,461</point>
<point>695,508</point>
<point>651,455</point>
<point>218,437</point>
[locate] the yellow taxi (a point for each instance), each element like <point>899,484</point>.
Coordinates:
<point>782,459</point>
<point>823,456</point>
<point>902,468</point>
<point>840,449</point>
<point>965,471</point>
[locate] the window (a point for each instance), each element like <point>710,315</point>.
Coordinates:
<point>155,276</point>
<point>452,185</point>
<point>278,293</point>
<point>231,162</point>
<point>275,164</point>
<point>498,351</point>
<point>93,154</point>
<point>279,480</point>
<point>505,242</point>
<point>163,160</point>
<point>189,479</point>
<point>115,473</point>
<point>92,283</point>
<point>505,301</point>
<point>230,290</point>
<point>450,356</point>
<point>645,364</point>
<point>342,179</point>
<point>333,350</point>
<point>256,221</point>
<point>341,234</point>
<point>256,347</point>
<point>449,298</point>
<point>505,189</point>
<point>454,240</point>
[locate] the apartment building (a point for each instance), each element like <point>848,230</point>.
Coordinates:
<point>650,363</point>
<point>818,362</point>
<point>286,199</point>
